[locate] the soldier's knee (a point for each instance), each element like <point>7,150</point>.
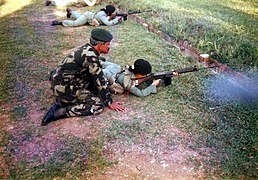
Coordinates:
<point>85,109</point>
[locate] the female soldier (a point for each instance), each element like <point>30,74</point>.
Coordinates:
<point>78,83</point>
<point>121,81</point>
<point>105,16</point>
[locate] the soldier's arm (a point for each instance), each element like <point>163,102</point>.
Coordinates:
<point>99,80</point>
<point>143,92</point>
<point>134,89</point>
<point>105,20</point>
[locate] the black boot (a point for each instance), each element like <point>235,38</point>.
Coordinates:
<point>54,113</point>
<point>68,12</point>
<point>54,23</point>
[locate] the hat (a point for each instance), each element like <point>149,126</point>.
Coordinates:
<point>141,67</point>
<point>101,35</point>
<point>110,9</point>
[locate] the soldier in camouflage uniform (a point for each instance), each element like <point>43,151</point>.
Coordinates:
<point>78,82</point>
<point>105,16</point>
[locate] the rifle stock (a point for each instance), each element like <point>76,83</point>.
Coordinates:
<point>166,76</point>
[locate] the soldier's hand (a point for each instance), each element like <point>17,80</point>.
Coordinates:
<point>120,19</point>
<point>175,73</point>
<point>117,106</point>
<point>112,16</point>
<point>156,82</point>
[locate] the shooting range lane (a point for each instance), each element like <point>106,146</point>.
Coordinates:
<point>183,46</point>
<point>228,75</point>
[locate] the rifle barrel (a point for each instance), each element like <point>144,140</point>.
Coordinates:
<point>186,70</point>
<point>138,11</point>
<point>192,69</point>
<point>168,74</point>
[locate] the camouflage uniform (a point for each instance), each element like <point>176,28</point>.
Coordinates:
<point>79,85</point>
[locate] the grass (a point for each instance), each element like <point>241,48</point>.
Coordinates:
<point>180,115</point>
<point>5,64</point>
<point>68,162</point>
<point>184,106</point>
<point>225,27</point>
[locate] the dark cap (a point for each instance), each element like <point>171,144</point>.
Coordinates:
<point>110,9</point>
<point>101,35</point>
<point>141,67</point>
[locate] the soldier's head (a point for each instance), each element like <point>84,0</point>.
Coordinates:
<point>100,40</point>
<point>109,9</point>
<point>141,67</point>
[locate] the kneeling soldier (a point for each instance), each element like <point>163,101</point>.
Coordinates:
<point>78,82</point>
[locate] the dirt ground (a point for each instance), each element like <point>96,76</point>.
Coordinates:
<point>133,162</point>
<point>5,120</point>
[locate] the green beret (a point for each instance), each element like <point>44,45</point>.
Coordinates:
<point>101,35</point>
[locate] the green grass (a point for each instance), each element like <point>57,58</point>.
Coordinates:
<point>226,130</point>
<point>184,106</point>
<point>228,28</point>
<point>5,64</point>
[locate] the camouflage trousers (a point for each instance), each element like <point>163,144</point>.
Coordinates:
<point>78,101</point>
<point>84,104</point>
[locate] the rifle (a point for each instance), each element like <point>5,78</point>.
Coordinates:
<point>124,15</point>
<point>166,76</point>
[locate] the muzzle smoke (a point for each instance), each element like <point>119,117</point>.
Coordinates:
<point>231,88</point>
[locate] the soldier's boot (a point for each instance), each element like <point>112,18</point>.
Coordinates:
<point>54,113</point>
<point>48,2</point>
<point>68,12</point>
<point>54,23</point>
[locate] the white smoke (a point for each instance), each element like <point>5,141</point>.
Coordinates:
<point>226,88</point>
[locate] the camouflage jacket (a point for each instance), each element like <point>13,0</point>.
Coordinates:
<point>80,70</point>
